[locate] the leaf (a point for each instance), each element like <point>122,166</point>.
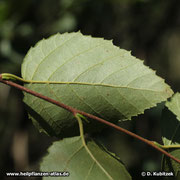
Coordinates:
<point>169,165</point>
<point>92,75</point>
<point>171,121</point>
<point>71,156</point>
<point>171,133</point>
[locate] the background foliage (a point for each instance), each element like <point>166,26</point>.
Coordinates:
<point>149,28</point>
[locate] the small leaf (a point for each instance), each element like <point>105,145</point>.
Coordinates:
<point>169,165</point>
<point>92,75</point>
<point>171,134</point>
<point>71,156</point>
<point>171,121</point>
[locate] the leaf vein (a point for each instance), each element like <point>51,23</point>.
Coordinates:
<point>90,169</point>
<point>70,59</point>
<point>84,102</point>
<point>90,68</point>
<point>69,159</point>
<point>128,102</point>
<point>110,103</point>
<point>119,70</point>
<point>43,109</point>
<point>135,79</point>
<point>50,54</point>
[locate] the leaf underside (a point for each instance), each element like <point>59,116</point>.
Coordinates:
<point>70,155</point>
<point>171,133</point>
<point>92,75</point>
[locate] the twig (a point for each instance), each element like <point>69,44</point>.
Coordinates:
<point>74,111</point>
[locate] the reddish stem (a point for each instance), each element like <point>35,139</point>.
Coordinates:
<point>74,111</point>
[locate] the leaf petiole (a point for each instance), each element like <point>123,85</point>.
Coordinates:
<point>83,117</point>
<point>77,116</point>
<point>8,76</point>
<point>166,146</point>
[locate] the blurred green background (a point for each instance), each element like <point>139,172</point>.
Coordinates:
<point>149,28</point>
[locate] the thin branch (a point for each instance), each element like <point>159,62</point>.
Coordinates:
<point>75,111</point>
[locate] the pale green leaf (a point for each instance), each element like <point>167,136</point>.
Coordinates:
<point>71,156</point>
<point>92,75</point>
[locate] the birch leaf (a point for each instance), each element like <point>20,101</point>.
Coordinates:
<point>171,121</point>
<point>71,156</point>
<point>171,133</point>
<point>92,75</point>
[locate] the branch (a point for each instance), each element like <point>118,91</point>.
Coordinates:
<point>74,111</point>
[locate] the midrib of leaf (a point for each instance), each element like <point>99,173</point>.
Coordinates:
<point>95,84</point>
<point>11,76</point>
<point>91,155</point>
<point>88,84</point>
<point>87,149</point>
<point>51,90</point>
